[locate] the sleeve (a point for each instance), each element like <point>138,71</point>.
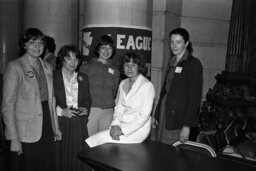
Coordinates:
<point>55,112</point>
<point>87,101</point>
<point>83,68</point>
<point>116,82</point>
<point>195,90</point>
<point>162,93</point>
<point>10,92</point>
<point>59,110</point>
<point>119,108</point>
<point>147,95</point>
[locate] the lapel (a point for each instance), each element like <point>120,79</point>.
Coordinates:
<point>61,89</point>
<point>48,75</point>
<point>183,59</point>
<point>135,86</point>
<point>81,88</point>
<point>29,73</point>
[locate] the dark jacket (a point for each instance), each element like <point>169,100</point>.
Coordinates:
<point>183,98</point>
<point>84,97</point>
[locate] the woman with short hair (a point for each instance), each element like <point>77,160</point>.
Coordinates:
<point>73,103</point>
<point>131,121</point>
<point>29,112</point>
<point>103,77</point>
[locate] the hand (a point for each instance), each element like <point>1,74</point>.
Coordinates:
<point>58,135</point>
<point>83,111</point>
<point>115,137</point>
<point>184,134</point>
<point>154,123</point>
<point>16,146</point>
<point>115,132</point>
<point>68,112</point>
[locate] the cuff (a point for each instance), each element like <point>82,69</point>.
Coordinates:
<point>59,111</point>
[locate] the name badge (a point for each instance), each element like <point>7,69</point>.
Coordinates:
<point>111,71</point>
<point>178,69</point>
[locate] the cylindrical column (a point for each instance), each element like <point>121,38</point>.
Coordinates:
<point>56,18</point>
<point>10,21</point>
<point>119,12</point>
<point>129,23</point>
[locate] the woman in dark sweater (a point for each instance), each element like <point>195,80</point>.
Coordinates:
<point>103,78</point>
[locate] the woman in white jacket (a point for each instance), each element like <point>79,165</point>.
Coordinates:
<point>131,121</point>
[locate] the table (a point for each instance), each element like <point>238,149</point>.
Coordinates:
<point>152,156</point>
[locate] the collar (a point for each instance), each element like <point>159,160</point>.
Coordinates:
<point>184,57</point>
<point>173,62</point>
<point>48,55</point>
<point>74,76</point>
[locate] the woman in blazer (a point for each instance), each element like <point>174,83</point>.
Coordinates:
<point>31,123</point>
<point>131,121</point>
<point>73,103</point>
<point>178,107</point>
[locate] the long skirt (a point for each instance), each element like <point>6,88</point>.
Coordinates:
<point>74,132</point>
<point>37,156</point>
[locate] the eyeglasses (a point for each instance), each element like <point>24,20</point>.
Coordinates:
<point>36,43</point>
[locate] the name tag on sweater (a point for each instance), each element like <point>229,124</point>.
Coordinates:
<point>178,70</point>
<point>110,70</point>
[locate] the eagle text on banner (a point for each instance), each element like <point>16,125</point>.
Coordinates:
<point>126,39</point>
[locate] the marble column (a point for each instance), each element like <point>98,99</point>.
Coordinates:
<point>129,22</point>
<point>10,21</point>
<point>56,18</point>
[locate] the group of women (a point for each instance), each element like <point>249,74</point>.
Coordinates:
<point>51,115</point>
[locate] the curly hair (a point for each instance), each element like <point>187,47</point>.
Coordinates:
<point>137,59</point>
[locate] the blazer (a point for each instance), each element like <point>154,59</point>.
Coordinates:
<point>184,95</point>
<point>22,108</point>
<point>84,97</point>
<point>133,110</point>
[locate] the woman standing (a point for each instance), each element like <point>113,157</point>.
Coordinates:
<point>178,108</point>
<point>103,79</point>
<point>131,121</point>
<point>73,102</point>
<point>31,123</point>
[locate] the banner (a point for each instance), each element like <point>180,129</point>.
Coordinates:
<point>126,39</point>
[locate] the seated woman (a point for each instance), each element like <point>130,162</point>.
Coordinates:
<point>131,121</point>
<point>73,103</point>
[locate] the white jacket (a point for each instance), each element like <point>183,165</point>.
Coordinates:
<point>132,114</point>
